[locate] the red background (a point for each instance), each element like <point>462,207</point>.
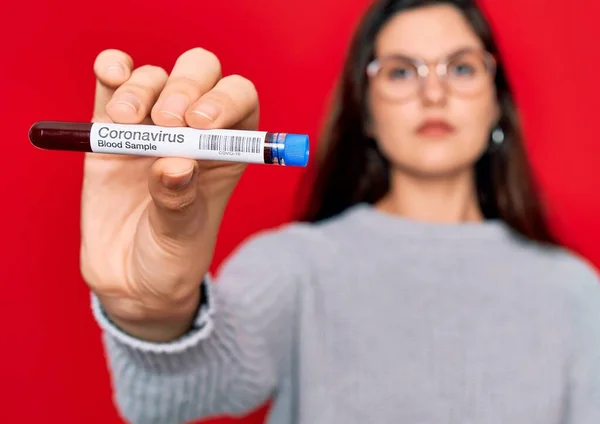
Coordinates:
<point>51,363</point>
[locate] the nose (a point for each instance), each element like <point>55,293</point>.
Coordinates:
<point>433,88</point>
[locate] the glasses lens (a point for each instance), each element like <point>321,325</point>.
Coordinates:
<point>398,78</point>
<point>468,73</point>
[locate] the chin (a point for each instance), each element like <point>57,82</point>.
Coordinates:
<point>435,161</point>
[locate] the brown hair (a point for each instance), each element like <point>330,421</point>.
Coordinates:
<point>351,169</point>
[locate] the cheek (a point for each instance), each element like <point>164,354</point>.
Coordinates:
<point>476,118</point>
<point>393,126</point>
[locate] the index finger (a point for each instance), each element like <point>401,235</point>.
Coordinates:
<point>195,73</point>
<point>112,68</point>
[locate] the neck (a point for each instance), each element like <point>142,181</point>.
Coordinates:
<point>446,200</point>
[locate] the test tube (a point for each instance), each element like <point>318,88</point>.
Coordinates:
<point>260,147</point>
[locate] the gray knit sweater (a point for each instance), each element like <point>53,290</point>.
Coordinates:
<point>369,318</point>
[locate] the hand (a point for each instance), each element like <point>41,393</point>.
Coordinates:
<point>149,226</point>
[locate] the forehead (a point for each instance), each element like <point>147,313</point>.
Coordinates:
<point>427,32</point>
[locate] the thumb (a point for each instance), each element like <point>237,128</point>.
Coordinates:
<point>176,212</point>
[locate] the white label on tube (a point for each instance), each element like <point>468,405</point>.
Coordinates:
<point>151,140</point>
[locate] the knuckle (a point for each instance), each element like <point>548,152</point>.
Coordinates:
<point>110,52</point>
<point>236,93</point>
<point>243,83</point>
<point>208,58</point>
<point>150,79</point>
<point>108,56</point>
<point>185,83</point>
<point>152,71</point>
<point>146,81</point>
<point>143,92</point>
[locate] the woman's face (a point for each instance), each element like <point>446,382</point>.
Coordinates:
<point>431,126</point>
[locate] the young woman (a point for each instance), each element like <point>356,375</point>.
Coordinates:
<point>422,285</point>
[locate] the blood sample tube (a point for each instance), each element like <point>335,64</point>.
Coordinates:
<point>259,147</point>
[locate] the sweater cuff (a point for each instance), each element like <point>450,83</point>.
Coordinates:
<point>202,326</point>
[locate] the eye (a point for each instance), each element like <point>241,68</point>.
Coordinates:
<point>462,69</point>
<point>466,65</point>
<point>399,73</point>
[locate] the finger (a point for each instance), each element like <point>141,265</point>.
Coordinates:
<point>132,102</point>
<point>112,68</point>
<point>175,209</point>
<point>232,103</point>
<point>195,73</point>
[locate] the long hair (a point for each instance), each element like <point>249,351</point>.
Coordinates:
<point>351,170</point>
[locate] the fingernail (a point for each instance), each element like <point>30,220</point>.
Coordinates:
<point>208,109</point>
<point>175,105</point>
<point>178,181</point>
<point>116,70</point>
<point>128,101</point>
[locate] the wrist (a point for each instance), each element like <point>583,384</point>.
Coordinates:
<point>156,323</point>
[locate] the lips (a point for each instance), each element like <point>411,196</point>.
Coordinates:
<point>435,128</point>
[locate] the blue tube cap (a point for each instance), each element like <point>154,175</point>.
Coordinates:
<point>296,150</point>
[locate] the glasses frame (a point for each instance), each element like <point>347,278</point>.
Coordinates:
<point>440,66</point>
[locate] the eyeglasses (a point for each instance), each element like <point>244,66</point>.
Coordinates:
<point>465,73</point>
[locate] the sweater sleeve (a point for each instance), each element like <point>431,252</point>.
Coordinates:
<point>583,405</point>
<point>230,363</point>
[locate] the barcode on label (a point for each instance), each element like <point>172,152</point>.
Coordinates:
<point>229,143</point>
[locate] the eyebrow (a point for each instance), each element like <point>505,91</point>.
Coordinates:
<point>451,54</point>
